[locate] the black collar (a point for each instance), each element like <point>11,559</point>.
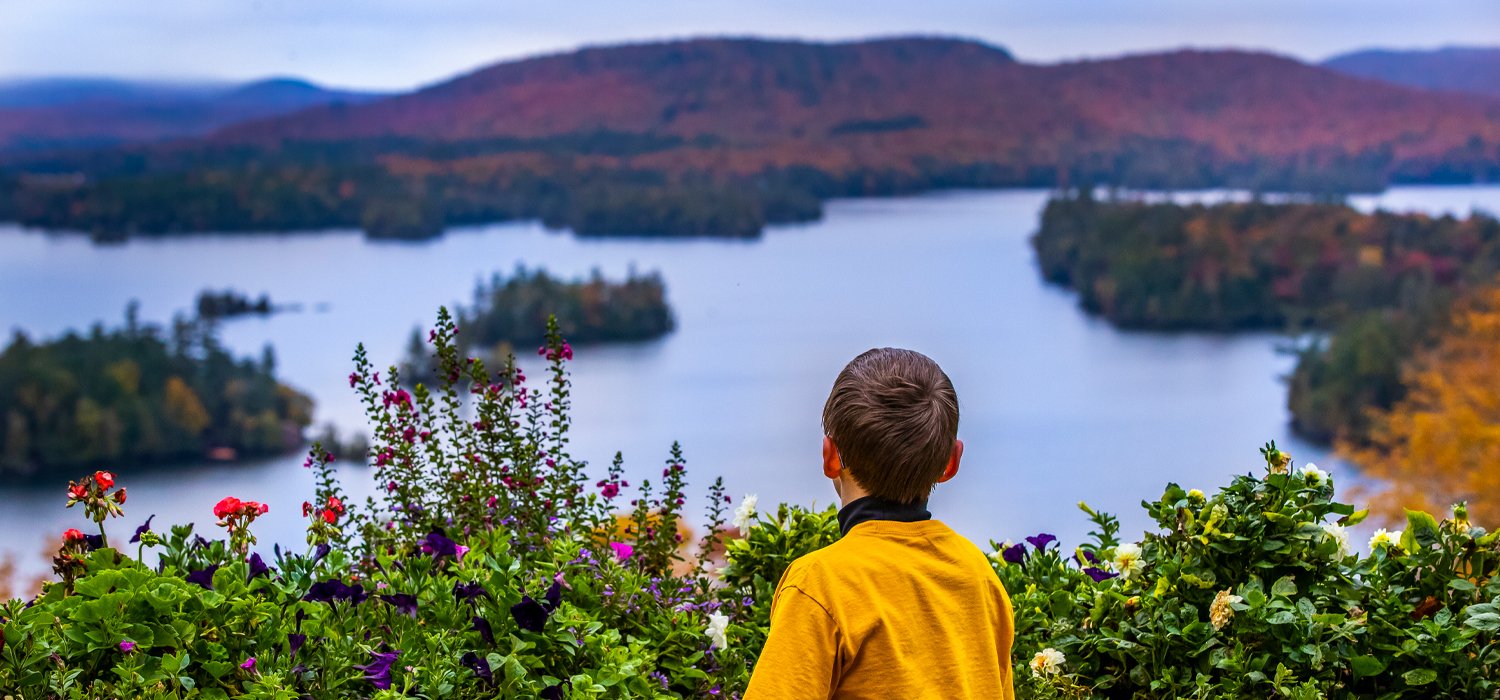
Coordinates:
<point>873,508</point>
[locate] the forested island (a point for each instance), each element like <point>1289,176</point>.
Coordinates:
<point>139,395</point>
<point>1375,289</point>
<point>230,303</point>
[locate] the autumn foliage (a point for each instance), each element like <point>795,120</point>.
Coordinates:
<point>1441,443</point>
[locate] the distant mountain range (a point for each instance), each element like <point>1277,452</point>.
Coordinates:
<point>54,113</point>
<point>1456,69</point>
<point>724,135</point>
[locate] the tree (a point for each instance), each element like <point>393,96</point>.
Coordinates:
<point>184,409</point>
<point>1440,444</point>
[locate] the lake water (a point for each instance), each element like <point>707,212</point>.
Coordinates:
<point>1057,407</point>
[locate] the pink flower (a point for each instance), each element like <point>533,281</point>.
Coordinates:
<point>353,379</point>
<point>249,664</point>
<point>610,490</point>
<point>127,646</point>
<point>622,551</point>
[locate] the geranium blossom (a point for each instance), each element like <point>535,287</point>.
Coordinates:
<point>1047,662</point>
<point>745,512</point>
<point>1128,560</point>
<point>718,625</point>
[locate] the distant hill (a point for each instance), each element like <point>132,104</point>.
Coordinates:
<point>54,113</point>
<point>717,136</point>
<point>1473,70</point>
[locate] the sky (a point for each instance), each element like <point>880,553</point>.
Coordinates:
<point>398,44</point>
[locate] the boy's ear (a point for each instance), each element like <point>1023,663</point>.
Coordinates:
<point>832,468</point>
<point>953,459</point>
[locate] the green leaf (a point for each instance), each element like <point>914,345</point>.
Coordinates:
<point>1462,585</point>
<point>1419,676</point>
<point>1355,518</point>
<point>1421,528</point>
<point>1366,666</point>
<point>1484,622</point>
<point>1284,586</point>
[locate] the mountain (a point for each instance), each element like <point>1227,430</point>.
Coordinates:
<point>44,114</point>
<point>1473,70</point>
<point>725,135</point>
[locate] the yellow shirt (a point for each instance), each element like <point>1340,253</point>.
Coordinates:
<point>893,611</point>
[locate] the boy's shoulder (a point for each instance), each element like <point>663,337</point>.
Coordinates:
<point>882,547</point>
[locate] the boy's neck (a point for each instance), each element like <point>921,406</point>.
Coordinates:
<point>848,490</point>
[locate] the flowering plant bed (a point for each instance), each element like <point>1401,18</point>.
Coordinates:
<point>492,566</point>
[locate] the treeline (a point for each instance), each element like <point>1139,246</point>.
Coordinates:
<point>1374,288</point>
<point>230,303</point>
<point>514,309</point>
<point>139,394</point>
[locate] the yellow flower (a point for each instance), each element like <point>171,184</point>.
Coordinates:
<point>1221,611</point>
<point>1195,496</point>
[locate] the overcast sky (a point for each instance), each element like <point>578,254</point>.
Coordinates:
<point>403,43</point>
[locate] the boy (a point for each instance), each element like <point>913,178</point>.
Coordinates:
<point>901,607</point>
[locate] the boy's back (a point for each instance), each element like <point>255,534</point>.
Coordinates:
<point>892,610</point>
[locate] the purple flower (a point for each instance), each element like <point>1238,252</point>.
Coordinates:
<point>293,643</point>
<point>334,590</point>
<point>146,526</point>
<point>249,664</point>
<point>321,551</point>
<point>482,626</point>
<point>552,693</point>
<point>1085,556</point>
<point>553,598</point>
<point>438,544</point>
<point>1014,554</point>
<point>203,577</point>
<point>470,591</point>
<point>404,603</point>
<point>378,671</point>
<point>529,614</point>
<point>127,646</point>
<point>623,551</point>
<point>257,565</point>
<point>1041,541</point>
<point>93,542</point>
<point>479,666</point>
<point>1099,574</point>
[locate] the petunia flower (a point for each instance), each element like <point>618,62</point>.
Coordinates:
<point>257,565</point>
<point>249,664</point>
<point>529,614</point>
<point>1047,662</point>
<point>1041,541</point>
<point>203,577</point>
<point>1099,574</point>
<point>623,551</point>
<point>1014,554</point>
<point>718,624</point>
<point>294,642</point>
<point>482,626</point>
<point>143,529</point>
<point>378,671</point>
<point>404,603</point>
<point>469,591</point>
<point>334,590</point>
<point>127,646</point>
<point>1128,560</point>
<point>745,513</point>
<point>437,544</point>
<point>479,665</point>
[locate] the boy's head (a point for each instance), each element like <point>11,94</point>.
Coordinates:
<point>891,423</point>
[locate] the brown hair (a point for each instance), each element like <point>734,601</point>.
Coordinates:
<point>893,416</point>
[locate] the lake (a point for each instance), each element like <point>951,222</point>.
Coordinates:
<point>1057,407</point>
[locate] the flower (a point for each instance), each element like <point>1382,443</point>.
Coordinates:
<point>1220,612</point>
<point>745,512</point>
<point>378,671</point>
<point>249,664</point>
<point>482,626</point>
<point>622,551</point>
<point>203,577</point>
<point>529,614</point>
<point>479,665</point>
<point>1047,662</point>
<point>78,491</point>
<point>334,590</point>
<point>143,529</point>
<point>294,641</point>
<point>1098,574</point>
<point>438,544</point>
<point>1128,560</point>
<point>1385,538</point>
<point>1196,496</point>
<point>718,624</point>
<point>127,646</point>
<point>1339,535</point>
<point>104,479</point>
<point>1015,554</point>
<point>469,591</point>
<point>404,603</point>
<point>1041,541</point>
<point>1313,475</point>
<point>257,565</point>
<point>120,496</point>
<point>72,535</point>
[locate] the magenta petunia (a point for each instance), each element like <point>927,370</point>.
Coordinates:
<point>623,551</point>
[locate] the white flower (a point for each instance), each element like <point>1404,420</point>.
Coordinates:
<point>1383,538</point>
<point>1339,535</point>
<point>1047,662</point>
<point>745,512</point>
<point>1313,475</point>
<point>718,623</point>
<point>1128,561</point>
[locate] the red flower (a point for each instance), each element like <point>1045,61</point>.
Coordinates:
<point>78,491</point>
<point>335,504</point>
<point>120,495</point>
<point>330,517</point>
<point>227,507</point>
<point>72,535</point>
<point>104,479</point>
<point>259,508</point>
<point>306,508</point>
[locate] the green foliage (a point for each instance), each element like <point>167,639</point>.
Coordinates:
<point>137,395</point>
<point>516,309</point>
<point>1253,593</point>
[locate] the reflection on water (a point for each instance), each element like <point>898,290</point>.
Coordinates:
<point>1057,407</point>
